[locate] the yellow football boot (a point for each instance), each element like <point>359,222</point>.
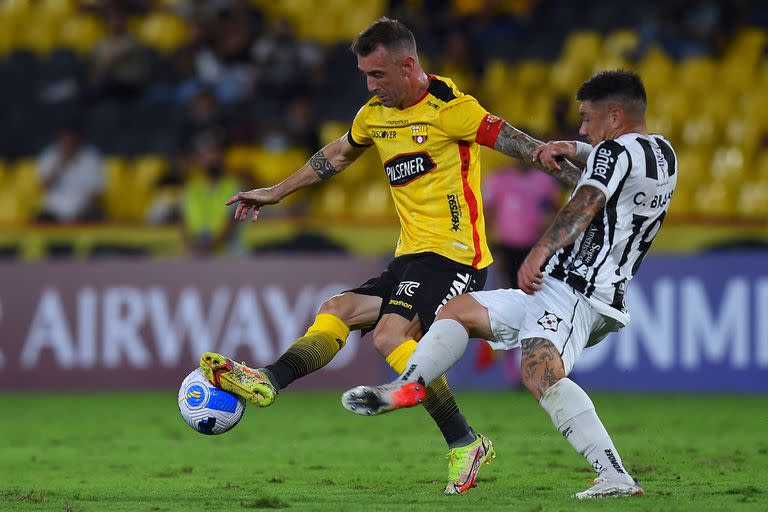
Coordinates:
<point>248,383</point>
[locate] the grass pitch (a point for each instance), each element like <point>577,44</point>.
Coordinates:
<point>132,452</point>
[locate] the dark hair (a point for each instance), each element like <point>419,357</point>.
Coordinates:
<point>624,87</point>
<point>386,32</point>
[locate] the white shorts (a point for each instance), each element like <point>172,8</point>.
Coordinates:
<point>556,313</point>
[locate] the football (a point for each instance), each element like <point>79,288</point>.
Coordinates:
<point>206,409</point>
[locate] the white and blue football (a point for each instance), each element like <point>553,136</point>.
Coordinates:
<point>206,409</point>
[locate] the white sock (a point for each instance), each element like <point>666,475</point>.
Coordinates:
<point>574,415</point>
<point>439,349</point>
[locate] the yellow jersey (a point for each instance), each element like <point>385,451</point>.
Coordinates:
<point>432,160</point>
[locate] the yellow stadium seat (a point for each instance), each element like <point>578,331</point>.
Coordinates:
<point>673,104</point>
<point>693,168</point>
<point>3,173</point>
<point>15,20</point>
<point>18,11</point>
<point>330,131</point>
<point>7,40</point>
<point>147,170</point>
<point>496,81</point>
<point>583,46</point>
<point>619,43</point>
<point>329,201</point>
<point>241,158</point>
<point>753,104</point>
<point>42,40</point>
<point>81,33</point>
<point>696,74</point>
<point>568,75</point>
<point>354,16</point>
<point>657,71</point>
<point>163,31</point>
<point>699,131</point>
<point>608,63</point>
<point>663,125</point>
<point>142,175</point>
<point>116,189</point>
<point>540,117</point>
<point>714,200</point>
<point>717,104</point>
<point>27,187</point>
<point>753,200</point>
<point>174,3</point>
<point>728,165</point>
<point>530,75</point>
<point>741,72</point>
<point>748,44</point>
<point>373,201</point>
<point>56,9</point>
<point>511,106</point>
<point>272,167</point>
<point>761,166</point>
<point>12,211</point>
<point>682,205</point>
<point>745,134</point>
<point>321,25</point>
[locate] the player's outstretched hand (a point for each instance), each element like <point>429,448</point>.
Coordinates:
<point>530,276</point>
<point>255,199</point>
<point>548,154</point>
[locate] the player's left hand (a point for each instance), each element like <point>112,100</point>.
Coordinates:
<point>529,276</point>
<point>251,199</point>
<point>549,153</point>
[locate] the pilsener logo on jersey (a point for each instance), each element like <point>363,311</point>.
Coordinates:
<point>405,168</point>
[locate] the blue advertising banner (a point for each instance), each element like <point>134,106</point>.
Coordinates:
<point>698,323</point>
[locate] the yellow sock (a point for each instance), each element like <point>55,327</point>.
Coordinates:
<point>332,324</point>
<point>400,355</point>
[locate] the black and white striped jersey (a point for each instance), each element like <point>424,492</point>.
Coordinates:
<point>638,174</point>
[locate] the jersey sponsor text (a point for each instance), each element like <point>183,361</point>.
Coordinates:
<point>403,169</point>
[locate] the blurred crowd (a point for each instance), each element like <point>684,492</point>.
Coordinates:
<point>172,102</point>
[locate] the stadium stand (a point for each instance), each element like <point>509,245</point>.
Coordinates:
<point>709,98</point>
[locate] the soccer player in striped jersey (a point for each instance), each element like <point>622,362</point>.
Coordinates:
<point>427,133</point>
<point>588,255</point>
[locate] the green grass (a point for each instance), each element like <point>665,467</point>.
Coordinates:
<point>131,452</point>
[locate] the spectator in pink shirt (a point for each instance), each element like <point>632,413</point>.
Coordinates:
<point>519,204</point>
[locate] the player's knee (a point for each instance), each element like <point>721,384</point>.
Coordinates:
<point>461,309</point>
<point>340,306</point>
<point>386,338</point>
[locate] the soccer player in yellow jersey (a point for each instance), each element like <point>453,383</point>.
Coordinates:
<point>428,134</point>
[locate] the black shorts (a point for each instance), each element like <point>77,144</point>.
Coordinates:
<point>421,283</point>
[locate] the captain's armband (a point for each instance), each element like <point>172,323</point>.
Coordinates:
<point>489,130</point>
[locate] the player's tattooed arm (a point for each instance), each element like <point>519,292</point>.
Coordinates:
<point>322,167</point>
<point>517,144</point>
<point>573,218</point>
<point>335,157</point>
<point>541,365</point>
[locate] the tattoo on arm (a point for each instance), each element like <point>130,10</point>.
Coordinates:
<point>541,365</point>
<point>517,144</point>
<point>573,219</point>
<point>322,166</point>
